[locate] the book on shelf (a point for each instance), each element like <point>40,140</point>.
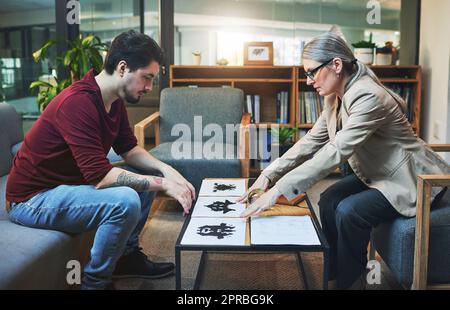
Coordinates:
<point>406,92</point>
<point>310,107</point>
<point>249,108</point>
<point>257,108</point>
<point>282,107</point>
<point>253,106</point>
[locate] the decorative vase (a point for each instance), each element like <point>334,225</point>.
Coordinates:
<point>197,59</point>
<point>383,59</point>
<point>364,55</point>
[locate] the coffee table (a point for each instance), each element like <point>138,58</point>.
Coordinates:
<point>297,249</point>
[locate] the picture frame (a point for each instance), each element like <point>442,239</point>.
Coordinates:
<point>258,53</point>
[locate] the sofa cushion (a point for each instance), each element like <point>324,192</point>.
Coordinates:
<point>394,241</point>
<point>3,213</point>
<point>35,258</point>
<point>11,133</point>
<point>195,170</point>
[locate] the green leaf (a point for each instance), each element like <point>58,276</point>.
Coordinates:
<point>68,57</point>
<point>42,52</point>
<point>283,134</point>
<point>87,41</point>
<point>364,44</point>
<point>85,64</point>
<point>36,84</point>
<point>96,59</point>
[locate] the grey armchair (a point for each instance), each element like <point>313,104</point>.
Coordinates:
<point>218,108</point>
<point>417,250</point>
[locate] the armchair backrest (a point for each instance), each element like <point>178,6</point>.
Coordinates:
<point>216,105</point>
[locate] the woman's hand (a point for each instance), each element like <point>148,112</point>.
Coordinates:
<point>267,200</point>
<point>262,182</point>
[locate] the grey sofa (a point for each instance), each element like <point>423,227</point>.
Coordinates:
<point>218,106</point>
<point>31,258</point>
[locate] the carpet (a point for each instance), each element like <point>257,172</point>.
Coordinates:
<point>236,271</point>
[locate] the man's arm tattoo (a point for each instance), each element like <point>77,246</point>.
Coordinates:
<point>138,184</point>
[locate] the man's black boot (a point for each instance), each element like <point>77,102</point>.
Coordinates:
<point>137,265</point>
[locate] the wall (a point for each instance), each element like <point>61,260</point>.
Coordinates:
<point>409,32</point>
<point>434,57</point>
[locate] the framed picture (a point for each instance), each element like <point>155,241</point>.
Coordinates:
<point>258,53</point>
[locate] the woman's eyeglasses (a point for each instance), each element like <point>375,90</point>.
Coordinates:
<point>312,73</point>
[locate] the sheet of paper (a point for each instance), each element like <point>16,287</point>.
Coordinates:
<point>283,230</point>
<point>223,187</point>
<point>215,231</point>
<point>217,207</point>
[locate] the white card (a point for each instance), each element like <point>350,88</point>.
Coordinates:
<point>223,187</point>
<point>215,231</point>
<point>283,230</point>
<point>217,207</point>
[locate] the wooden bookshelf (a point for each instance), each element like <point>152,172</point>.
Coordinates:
<point>407,78</point>
<point>267,81</point>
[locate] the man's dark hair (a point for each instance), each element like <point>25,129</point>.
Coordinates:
<point>136,48</point>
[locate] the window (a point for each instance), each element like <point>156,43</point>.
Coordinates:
<point>219,28</point>
<point>24,27</point>
<point>107,19</point>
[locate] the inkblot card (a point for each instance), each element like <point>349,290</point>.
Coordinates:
<point>217,207</point>
<point>223,187</point>
<point>215,231</point>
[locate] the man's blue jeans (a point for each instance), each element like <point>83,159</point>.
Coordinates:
<point>117,213</point>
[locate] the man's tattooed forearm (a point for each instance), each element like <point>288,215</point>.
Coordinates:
<point>138,184</point>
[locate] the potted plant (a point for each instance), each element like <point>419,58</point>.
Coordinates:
<point>284,136</point>
<point>82,55</point>
<point>383,56</point>
<point>222,62</point>
<point>197,58</point>
<point>364,51</point>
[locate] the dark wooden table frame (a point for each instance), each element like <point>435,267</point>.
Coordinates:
<point>323,247</point>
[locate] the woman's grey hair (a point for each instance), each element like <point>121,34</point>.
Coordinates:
<point>330,45</point>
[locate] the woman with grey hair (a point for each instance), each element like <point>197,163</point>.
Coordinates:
<point>363,123</point>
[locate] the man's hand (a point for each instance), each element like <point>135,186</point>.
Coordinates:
<point>174,176</point>
<point>181,192</point>
<point>267,200</point>
<point>261,182</point>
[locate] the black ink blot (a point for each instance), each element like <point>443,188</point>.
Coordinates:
<point>219,206</point>
<point>219,231</point>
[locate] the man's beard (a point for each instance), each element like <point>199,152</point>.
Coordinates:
<point>129,98</point>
